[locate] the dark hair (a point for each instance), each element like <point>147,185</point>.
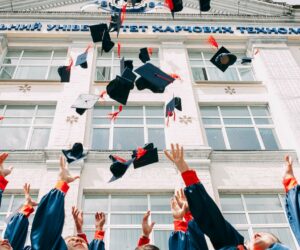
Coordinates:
<point>147,247</point>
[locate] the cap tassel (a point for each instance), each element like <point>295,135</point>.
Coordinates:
<point>114,115</point>
<point>123,12</point>
<point>70,64</point>
<point>169,4</point>
<point>212,41</point>
<point>140,153</point>
<point>118,158</point>
<point>162,77</point>
<point>256,52</point>
<point>119,49</point>
<point>170,113</point>
<point>150,51</point>
<point>1,118</point>
<point>175,76</point>
<point>88,48</point>
<point>102,94</point>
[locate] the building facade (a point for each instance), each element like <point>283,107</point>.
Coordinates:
<point>235,127</point>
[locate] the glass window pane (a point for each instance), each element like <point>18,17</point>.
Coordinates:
<point>100,138</point>
<point>234,111</point>
<point>157,136</point>
<point>101,121</point>
<point>128,138</point>
<point>5,203</point>
<point>19,111</point>
<point>154,111</point>
<point>268,137</point>
<point>7,72</point>
<point>43,120</point>
<point>60,54</point>
<point>246,74</point>
<point>53,74</point>
<point>17,120</point>
<point>124,239</point>
<point>155,121</point>
<point>215,138</point>
<point>209,111</point>
<point>199,74</point>
<point>2,220</point>
<point>13,53</point>
<point>245,233</point>
<point>103,73</point>
<point>231,202</point>
<point>30,72</point>
<point>267,218</point>
<point>242,139</point>
<point>237,121</point>
<point>211,121</point>
<point>131,121</point>
<point>160,239</point>
<point>129,203</point>
<point>195,55</point>
<point>102,111</point>
<point>46,110</point>
<point>260,111</point>
<point>160,202</point>
<point>39,53</point>
<point>18,201</point>
<point>217,75</point>
<point>11,61</point>
<point>262,202</point>
<point>13,138</point>
<point>162,218</point>
<point>263,120</point>
<point>131,111</point>
<point>95,203</point>
<point>35,61</point>
<point>236,218</point>
<point>123,219</point>
<point>40,138</point>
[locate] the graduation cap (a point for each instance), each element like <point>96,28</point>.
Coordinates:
<point>119,88</point>
<point>204,5</point>
<point>107,43</point>
<point>125,64</point>
<point>82,60</point>
<point>245,60</point>
<point>152,78</point>
<point>64,73</point>
<point>145,156</point>
<point>74,154</point>
<point>115,23</point>
<point>84,102</point>
<point>97,31</point>
<point>175,103</point>
<point>177,6</point>
<point>118,167</point>
<point>223,59</point>
<point>144,55</point>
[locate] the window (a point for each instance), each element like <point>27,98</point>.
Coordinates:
<point>239,127</point>
<point>135,126</point>
<point>32,65</point>
<point>11,203</point>
<point>124,215</point>
<point>108,64</point>
<point>25,126</point>
<point>251,213</point>
<point>203,69</point>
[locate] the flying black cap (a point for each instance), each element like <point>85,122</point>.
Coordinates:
<point>84,102</point>
<point>125,64</point>
<point>223,59</point>
<point>245,60</point>
<point>204,5</point>
<point>115,23</point>
<point>144,55</point>
<point>107,43</point>
<point>178,6</point>
<point>152,78</point>
<point>82,60</point>
<point>97,31</point>
<point>145,156</point>
<point>118,167</point>
<point>64,73</point>
<point>175,103</point>
<point>74,154</point>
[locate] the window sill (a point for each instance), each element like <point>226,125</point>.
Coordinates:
<point>197,83</point>
<point>101,83</point>
<point>28,81</point>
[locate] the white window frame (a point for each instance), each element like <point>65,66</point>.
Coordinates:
<point>256,127</point>
<point>145,126</point>
<point>31,125</point>
<point>205,63</point>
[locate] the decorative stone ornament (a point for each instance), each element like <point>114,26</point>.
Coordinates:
<point>185,119</point>
<point>24,88</point>
<point>229,90</point>
<point>72,119</point>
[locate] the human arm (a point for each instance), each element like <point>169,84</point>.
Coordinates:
<point>98,243</point>
<point>147,229</point>
<point>3,173</point>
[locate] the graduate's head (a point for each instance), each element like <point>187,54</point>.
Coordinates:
<point>4,245</point>
<point>75,243</point>
<point>262,241</point>
<point>147,247</point>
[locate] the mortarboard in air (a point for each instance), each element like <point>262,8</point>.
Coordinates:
<point>177,6</point>
<point>107,43</point>
<point>82,60</point>
<point>223,59</point>
<point>125,64</point>
<point>115,23</point>
<point>145,156</point>
<point>84,102</point>
<point>74,154</point>
<point>204,5</point>
<point>97,31</point>
<point>64,73</point>
<point>119,88</point>
<point>175,103</point>
<point>152,78</point>
<point>144,55</point>
<point>245,60</point>
<point>118,167</point>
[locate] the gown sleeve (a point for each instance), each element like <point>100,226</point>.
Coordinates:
<point>97,243</point>
<point>3,183</point>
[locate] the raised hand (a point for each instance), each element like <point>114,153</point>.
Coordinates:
<point>4,172</point>
<point>28,199</point>
<point>78,219</point>
<point>181,200</point>
<point>177,157</point>
<point>147,228</point>
<point>177,211</point>
<point>99,221</point>
<point>288,173</point>
<point>64,174</point>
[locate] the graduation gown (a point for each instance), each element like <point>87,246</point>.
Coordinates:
<point>3,183</point>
